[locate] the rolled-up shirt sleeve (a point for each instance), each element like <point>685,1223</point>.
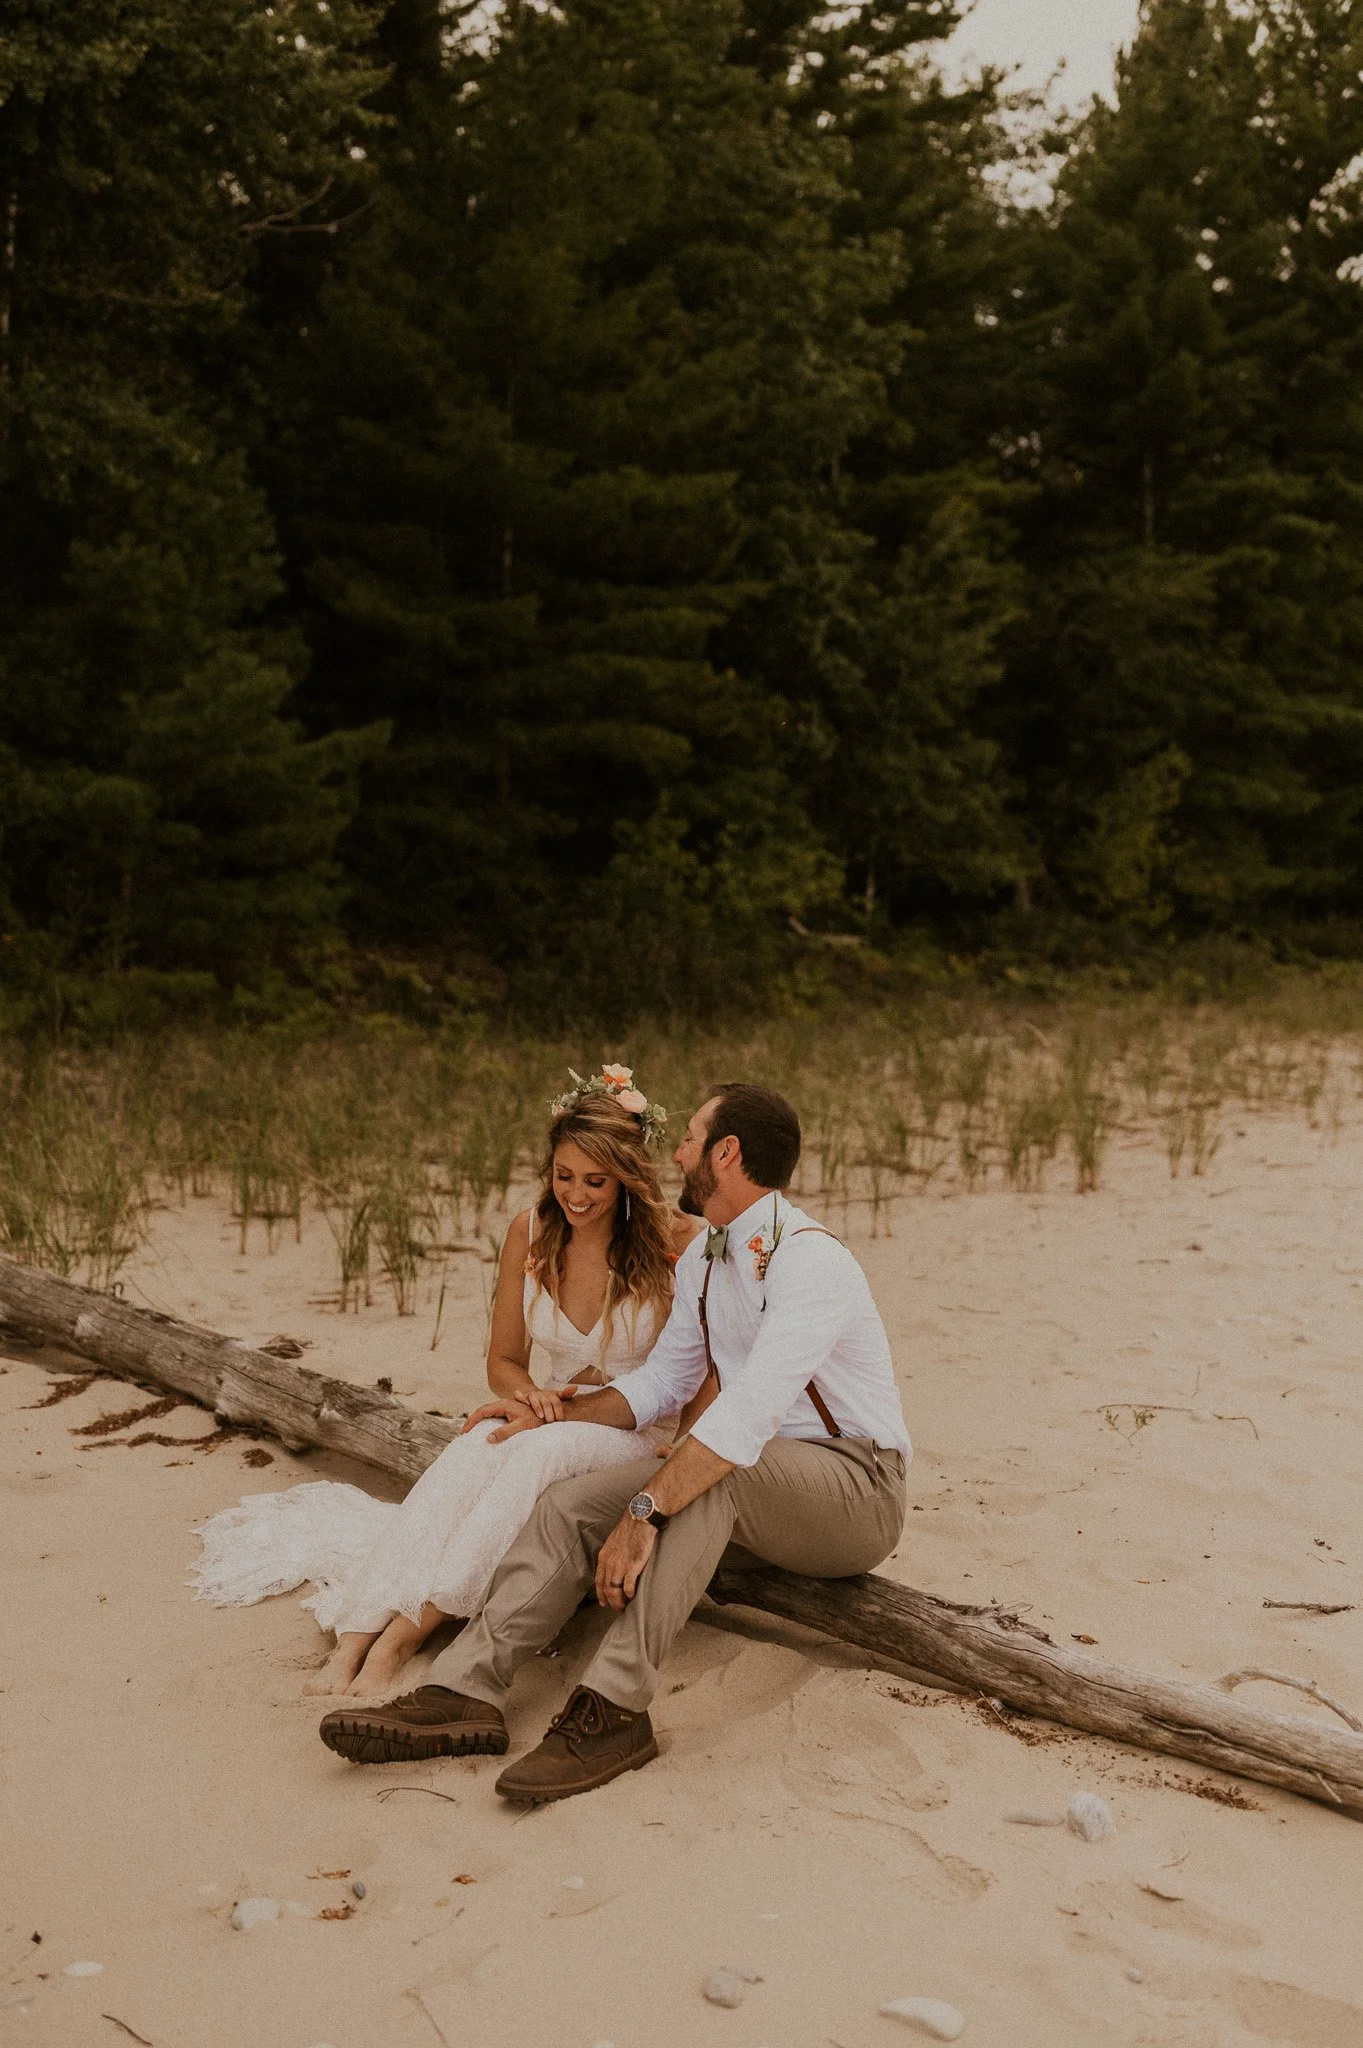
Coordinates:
<point>675,1366</point>
<point>806,1315</point>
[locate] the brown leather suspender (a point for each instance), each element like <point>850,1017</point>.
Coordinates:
<point>704,1394</point>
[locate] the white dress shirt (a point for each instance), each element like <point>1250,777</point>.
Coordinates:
<point>811,1318</point>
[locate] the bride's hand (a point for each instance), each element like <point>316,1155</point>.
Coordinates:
<point>545,1402</point>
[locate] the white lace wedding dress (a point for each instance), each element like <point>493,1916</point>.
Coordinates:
<point>370,1560</point>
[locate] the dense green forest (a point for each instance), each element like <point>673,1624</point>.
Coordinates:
<point>630,504</point>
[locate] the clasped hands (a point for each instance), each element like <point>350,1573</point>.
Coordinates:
<point>526,1410</point>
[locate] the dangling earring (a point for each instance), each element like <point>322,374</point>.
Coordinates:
<point>627,1205</point>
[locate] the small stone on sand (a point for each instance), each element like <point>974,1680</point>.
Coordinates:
<point>573,1884</point>
<point>930,2015</point>
<point>1089,1817</point>
<point>359,1887</point>
<point>1135,1976</point>
<point>83,1970</point>
<point>724,1987</point>
<point>249,1913</point>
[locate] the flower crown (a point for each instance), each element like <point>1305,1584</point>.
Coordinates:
<point>617,1084</point>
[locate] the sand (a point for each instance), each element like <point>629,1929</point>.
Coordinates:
<point>837,1830</point>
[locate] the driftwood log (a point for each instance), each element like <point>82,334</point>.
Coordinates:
<point>981,1650</point>
<point>994,1653</point>
<point>305,1410</point>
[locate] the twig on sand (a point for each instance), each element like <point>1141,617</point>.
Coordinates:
<point>389,1790</point>
<point>416,1996</point>
<point>126,2028</point>
<point>581,1912</point>
<point>1306,1685</point>
<point>1146,1409</point>
<point>1313,1606</point>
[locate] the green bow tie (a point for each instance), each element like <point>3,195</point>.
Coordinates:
<point>717,1244</point>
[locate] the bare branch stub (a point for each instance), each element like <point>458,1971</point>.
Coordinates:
<point>1306,1685</point>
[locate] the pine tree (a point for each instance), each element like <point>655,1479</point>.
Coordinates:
<point>912,792</point>
<point>161,809</point>
<point>1185,701</point>
<point>591,482</point>
<point>595,327</point>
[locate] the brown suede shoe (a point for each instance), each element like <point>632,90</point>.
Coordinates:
<point>432,1721</point>
<point>588,1744</point>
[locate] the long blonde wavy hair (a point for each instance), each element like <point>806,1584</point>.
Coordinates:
<point>639,1254</point>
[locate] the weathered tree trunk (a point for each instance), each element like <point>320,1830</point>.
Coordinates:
<point>978,1649</point>
<point>1006,1660</point>
<point>240,1384</point>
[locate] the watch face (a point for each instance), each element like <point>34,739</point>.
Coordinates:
<point>641,1507</point>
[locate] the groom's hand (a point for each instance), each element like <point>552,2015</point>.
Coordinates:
<point>515,1414</point>
<point>621,1561</point>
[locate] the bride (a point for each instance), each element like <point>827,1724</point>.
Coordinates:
<point>587,1276</point>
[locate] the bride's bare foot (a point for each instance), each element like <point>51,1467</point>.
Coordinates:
<point>338,1673</point>
<point>400,1640</point>
<point>379,1670</point>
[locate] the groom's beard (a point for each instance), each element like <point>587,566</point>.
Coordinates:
<point>697,1188</point>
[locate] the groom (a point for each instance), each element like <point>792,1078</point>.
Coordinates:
<point>793,1449</point>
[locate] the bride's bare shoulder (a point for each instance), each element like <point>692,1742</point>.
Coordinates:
<point>518,1235</point>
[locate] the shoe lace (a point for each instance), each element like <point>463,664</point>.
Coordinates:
<point>583,1716</point>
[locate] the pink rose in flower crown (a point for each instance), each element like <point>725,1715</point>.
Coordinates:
<point>633,1101</point>
<point>617,1078</point>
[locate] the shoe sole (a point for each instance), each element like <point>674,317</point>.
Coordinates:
<point>364,1741</point>
<point>545,1795</point>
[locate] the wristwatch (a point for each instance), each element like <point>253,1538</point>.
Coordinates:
<point>644,1508</point>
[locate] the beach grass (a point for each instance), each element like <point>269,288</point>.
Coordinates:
<point>410,1141</point>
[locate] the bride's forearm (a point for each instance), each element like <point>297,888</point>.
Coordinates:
<point>507,1379</point>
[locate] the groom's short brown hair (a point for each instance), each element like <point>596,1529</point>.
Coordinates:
<point>766,1127</point>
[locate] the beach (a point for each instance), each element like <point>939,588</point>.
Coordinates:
<point>1137,1418</point>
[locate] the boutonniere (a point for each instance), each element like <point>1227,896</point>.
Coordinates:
<point>763,1244</point>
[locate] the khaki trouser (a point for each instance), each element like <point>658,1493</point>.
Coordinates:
<point>828,1509</point>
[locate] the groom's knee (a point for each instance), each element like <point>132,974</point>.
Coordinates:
<point>591,1503</point>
